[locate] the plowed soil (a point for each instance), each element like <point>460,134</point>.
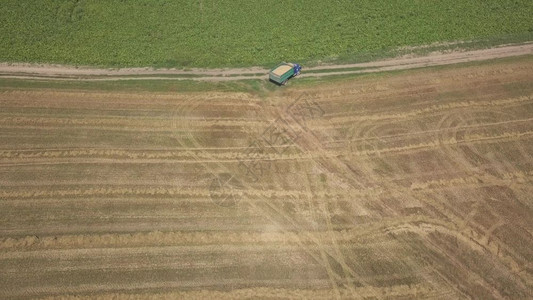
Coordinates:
<point>402,186</point>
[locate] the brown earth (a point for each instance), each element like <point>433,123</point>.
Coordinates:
<point>405,186</point>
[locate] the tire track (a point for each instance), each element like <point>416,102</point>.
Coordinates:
<point>429,110</point>
<point>322,259</point>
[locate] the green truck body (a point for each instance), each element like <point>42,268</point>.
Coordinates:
<point>282,72</point>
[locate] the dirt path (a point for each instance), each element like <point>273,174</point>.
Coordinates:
<point>59,72</point>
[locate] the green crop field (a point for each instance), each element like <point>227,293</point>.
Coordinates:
<point>217,33</point>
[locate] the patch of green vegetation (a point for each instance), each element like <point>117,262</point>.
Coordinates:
<point>425,49</point>
<point>313,81</point>
<point>518,88</point>
<point>223,33</point>
<point>320,71</point>
<point>125,85</point>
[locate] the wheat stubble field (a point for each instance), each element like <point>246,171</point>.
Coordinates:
<point>399,186</point>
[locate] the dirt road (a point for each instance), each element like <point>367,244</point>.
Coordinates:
<point>411,186</point>
<point>29,71</point>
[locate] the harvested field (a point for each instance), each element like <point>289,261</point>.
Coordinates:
<point>399,186</point>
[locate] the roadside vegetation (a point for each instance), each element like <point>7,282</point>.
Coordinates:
<point>222,33</point>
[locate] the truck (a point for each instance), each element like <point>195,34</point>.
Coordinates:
<point>281,73</point>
